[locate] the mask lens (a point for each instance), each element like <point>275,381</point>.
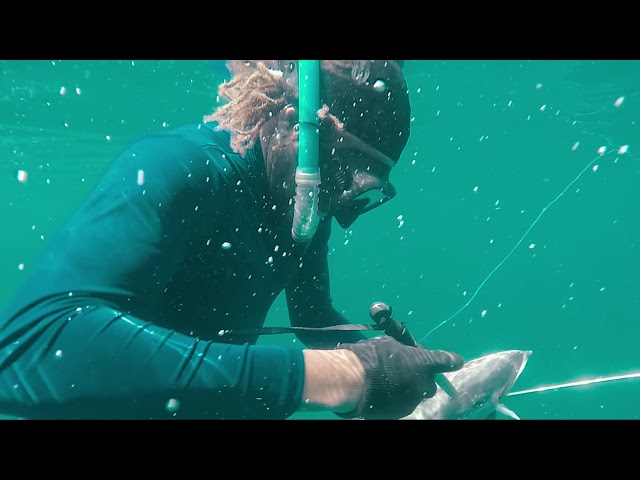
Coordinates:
<point>363,203</point>
<point>369,200</point>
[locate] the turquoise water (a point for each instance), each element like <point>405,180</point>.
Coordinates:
<point>493,143</point>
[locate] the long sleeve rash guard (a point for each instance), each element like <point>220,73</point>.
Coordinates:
<point>119,317</point>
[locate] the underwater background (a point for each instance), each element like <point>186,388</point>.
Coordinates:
<point>516,225</point>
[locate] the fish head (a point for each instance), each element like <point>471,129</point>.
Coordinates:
<point>486,382</point>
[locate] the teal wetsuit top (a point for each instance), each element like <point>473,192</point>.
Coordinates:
<point>119,317</point>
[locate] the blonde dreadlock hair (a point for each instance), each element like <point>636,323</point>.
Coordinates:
<point>369,97</point>
<point>260,88</point>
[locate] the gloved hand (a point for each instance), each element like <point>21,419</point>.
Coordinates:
<point>397,377</point>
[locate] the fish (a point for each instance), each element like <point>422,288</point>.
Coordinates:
<point>481,385</point>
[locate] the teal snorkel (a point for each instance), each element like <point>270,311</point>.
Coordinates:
<point>306,218</point>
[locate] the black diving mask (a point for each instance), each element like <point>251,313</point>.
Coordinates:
<point>356,178</point>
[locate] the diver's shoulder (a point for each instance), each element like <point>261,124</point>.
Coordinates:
<point>196,135</point>
<point>203,134</point>
<point>185,143</point>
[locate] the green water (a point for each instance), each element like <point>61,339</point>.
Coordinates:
<point>569,292</point>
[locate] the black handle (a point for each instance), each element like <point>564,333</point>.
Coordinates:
<point>382,314</point>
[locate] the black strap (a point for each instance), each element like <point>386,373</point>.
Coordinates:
<point>281,330</point>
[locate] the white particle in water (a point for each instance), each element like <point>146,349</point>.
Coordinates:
<point>623,149</point>
<point>475,189</point>
<point>78,92</point>
<point>22,176</point>
<point>63,91</point>
<point>594,168</point>
<point>173,405</point>
<point>533,245</point>
<point>618,102</point>
<point>226,245</point>
<point>108,137</point>
<point>602,149</point>
<point>484,312</point>
<point>575,146</point>
<point>59,353</point>
<point>379,86</point>
<point>140,177</point>
<point>21,266</point>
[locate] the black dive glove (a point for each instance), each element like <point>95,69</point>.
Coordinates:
<point>397,377</point>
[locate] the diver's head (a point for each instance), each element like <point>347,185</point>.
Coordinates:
<point>364,116</point>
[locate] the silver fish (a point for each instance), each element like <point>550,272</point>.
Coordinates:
<point>481,385</point>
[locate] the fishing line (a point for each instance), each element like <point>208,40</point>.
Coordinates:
<point>577,383</point>
<point>600,156</point>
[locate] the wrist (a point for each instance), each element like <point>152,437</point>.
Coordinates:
<point>334,380</point>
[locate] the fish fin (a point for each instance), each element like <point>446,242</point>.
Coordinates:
<point>492,416</point>
<point>505,411</point>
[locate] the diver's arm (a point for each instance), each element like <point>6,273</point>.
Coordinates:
<point>309,297</point>
<point>334,380</point>
<point>113,364</point>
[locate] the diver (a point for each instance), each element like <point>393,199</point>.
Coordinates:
<point>187,236</point>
